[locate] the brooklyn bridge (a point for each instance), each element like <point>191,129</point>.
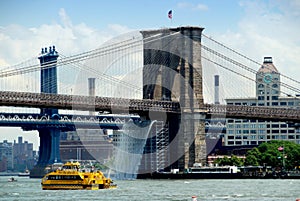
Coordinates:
<point>157,75</point>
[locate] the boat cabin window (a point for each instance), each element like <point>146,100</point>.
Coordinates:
<point>64,177</point>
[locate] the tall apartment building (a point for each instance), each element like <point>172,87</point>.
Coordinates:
<point>241,132</point>
<point>6,156</point>
<point>16,156</point>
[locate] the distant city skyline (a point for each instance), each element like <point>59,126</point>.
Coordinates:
<point>14,138</point>
<point>254,28</point>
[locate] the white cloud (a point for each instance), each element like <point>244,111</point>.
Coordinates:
<point>18,43</point>
<point>186,5</point>
<point>269,29</point>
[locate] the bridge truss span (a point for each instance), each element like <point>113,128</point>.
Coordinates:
<point>85,103</point>
<point>253,112</point>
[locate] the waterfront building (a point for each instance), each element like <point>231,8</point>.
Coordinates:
<point>245,132</point>
<point>92,144</point>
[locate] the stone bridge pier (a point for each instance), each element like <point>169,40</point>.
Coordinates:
<point>172,71</point>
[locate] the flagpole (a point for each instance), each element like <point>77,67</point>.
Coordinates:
<point>283,158</point>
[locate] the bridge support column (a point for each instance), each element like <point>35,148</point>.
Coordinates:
<point>49,151</point>
<point>49,136</point>
<point>55,141</point>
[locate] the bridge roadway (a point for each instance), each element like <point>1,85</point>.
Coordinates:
<point>135,106</point>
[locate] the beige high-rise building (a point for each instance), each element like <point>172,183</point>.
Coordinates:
<point>253,132</point>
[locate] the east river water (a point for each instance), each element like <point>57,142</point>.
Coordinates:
<point>214,189</point>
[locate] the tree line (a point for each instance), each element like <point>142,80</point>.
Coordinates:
<point>277,154</point>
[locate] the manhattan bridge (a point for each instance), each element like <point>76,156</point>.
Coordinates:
<point>158,84</point>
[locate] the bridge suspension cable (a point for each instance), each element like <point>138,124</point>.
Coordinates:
<point>242,66</point>
<point>243,56</point>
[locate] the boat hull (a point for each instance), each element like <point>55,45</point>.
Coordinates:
<point>71,177</point>
<point>75,187</point>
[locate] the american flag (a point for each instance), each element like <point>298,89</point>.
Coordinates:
<point>170,14</point>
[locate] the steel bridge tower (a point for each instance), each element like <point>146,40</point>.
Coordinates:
<point>172,71</point>
<point>49,136</point>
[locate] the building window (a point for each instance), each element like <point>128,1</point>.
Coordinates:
<point>261,98</point>
<point>245,131</point>
<point>245,125</point>
<point>291,137</point>
<point>283,103</point>
<point>260,86</point>
<point>290,103</point>
<point>283,125</point>
<point>274,97</point>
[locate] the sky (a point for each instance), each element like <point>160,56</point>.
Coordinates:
<point>256,28</point>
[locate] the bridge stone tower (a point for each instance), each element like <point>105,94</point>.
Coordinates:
<point>172,71</point>
<point>49,136</point>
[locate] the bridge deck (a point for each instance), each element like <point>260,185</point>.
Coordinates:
<point>119,105</point>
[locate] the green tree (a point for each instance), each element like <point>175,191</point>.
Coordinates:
<point>233,160</point>
<point>268,154</point>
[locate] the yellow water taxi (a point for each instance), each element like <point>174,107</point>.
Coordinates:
<point>71,177</point>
